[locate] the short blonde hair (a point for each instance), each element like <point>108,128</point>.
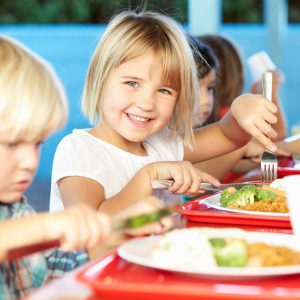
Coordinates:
<point>131,34</point>
<point>32,98</point>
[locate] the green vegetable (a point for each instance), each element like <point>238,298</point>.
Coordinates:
<point>265,195</point>
<point>140,220</point>
<point>224,198</point>
<point>233,253</point>
<point>217,242</point>
<point>243,196</point>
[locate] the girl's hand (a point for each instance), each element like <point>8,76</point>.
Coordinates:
<point>187,178</point>
<point>255,114</point>
<point>145,206</point>
<point>78,227</point>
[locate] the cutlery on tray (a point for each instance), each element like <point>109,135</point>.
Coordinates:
<point>164,184</point>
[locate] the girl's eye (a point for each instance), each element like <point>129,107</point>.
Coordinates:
<point>165,91</point>
<point>132,83</point>
<point>211,89</point>
<point>10,145</point>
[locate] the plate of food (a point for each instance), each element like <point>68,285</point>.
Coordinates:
<point>231,253</point>
<point>266,200</point>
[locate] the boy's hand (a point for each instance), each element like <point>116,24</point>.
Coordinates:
<point>255,114</point>
<point>78,227</point>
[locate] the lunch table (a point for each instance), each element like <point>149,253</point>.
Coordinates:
<point>111,277</point>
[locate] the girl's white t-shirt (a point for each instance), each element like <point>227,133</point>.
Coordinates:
<point>82,154</point>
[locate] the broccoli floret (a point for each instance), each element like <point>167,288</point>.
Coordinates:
<point>224,198</point>
<point>243,196</point>
<point>265,195</point>
<point>236,199</point>
<point>250,188</point>
<point>232,254</point>
<point>217,242</point>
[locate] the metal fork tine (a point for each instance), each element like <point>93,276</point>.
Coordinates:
<point>275,171</point>
<point>268,167</point>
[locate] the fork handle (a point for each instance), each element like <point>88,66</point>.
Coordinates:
<point>267,85</point>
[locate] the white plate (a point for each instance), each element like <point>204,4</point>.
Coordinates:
<point>139,251</point>
<point>214,202</point>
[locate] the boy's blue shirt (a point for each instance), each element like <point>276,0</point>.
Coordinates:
<point>20,277</point>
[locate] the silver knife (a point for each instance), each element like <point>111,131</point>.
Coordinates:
<point>164,184</point>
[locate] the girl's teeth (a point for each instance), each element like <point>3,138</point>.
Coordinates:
<point>140,119</point>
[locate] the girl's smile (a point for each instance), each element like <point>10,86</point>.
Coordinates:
<point>138,120</point>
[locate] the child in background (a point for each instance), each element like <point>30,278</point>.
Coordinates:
<point>208,68</point>
<point>230,84</point>
<point>231,81</point>
<point>32,106</point>
<point>140,93</point>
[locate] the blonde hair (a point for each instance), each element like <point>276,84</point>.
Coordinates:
<point>130,35</point>
<point>32,98</point>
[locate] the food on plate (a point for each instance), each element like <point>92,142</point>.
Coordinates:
<point>264,198</point>
<point>202,248</point>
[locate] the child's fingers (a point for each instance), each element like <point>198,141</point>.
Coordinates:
<point>69,240</point>
<point>282,152</point>
<point>271,106</point>
<point>264,140</point>
<point>269,117</point>
<point>182,178</point>
<point>99,229</point>
<point>266,129</point>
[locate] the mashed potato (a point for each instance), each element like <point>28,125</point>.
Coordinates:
<point>186,247</point>
<point>278,184</point>
<point>190,247</point>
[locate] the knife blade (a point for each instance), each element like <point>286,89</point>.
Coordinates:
<point>164,184</point>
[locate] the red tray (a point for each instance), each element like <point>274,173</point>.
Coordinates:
<point>287,166</point>
<point>197,211</point>
<point>114,278</point>
<point>285,171</point>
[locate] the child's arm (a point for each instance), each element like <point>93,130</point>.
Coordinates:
<point>76,189</point>
<point>221,165</point>
<point>241,160</point>
<point>77,227</point>
<point>250,115</point>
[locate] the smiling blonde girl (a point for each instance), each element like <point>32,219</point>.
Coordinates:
<point>140,94</point>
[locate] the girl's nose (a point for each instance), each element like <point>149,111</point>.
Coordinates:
<point>146,101</point>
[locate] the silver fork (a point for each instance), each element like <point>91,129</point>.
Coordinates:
<point>269,162</point>
<point>268,166</point>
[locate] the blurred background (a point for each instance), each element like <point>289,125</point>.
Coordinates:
<point>65,32</point>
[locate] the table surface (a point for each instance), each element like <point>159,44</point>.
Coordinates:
<point>69,287</point>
